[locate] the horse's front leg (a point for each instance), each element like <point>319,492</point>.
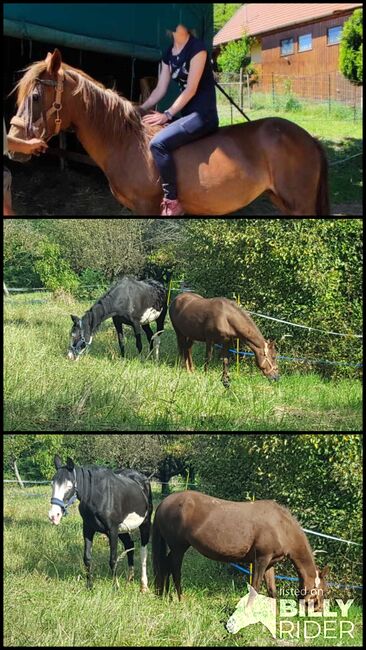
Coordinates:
<point>225,373</point>
<point>209,348</point>
<point>119,329</point>
<point>113,545</point>
<point>88,546</point>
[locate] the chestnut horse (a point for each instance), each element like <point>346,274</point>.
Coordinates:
<point>261,532</point>
<point>217,174</point>
<point>219,320</point>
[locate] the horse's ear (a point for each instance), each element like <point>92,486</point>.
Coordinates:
<point>58,462</point>
<point>324,572</point>
<point>70,464</point>
<point>53,62</point>
<point>75,319</point>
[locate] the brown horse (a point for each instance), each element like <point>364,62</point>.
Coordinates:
<point>218,174</point>
<point>261,532</point>
<point>218,320</point>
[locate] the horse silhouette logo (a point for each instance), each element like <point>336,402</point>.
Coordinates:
<point>253,608</point>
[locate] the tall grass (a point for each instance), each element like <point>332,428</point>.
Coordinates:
<point>44,391</point>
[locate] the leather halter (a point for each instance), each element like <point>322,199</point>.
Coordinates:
<point>56,107</point>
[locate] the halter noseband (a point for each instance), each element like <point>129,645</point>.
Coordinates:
<point>78,349</point>
<point>64,506</point>
<point>56,107</point>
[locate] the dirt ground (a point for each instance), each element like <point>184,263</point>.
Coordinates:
<point>40,189</point>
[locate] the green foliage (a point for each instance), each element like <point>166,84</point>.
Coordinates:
<point>91,285</point>
<point>223,11</point>
<point>350,51</point>
<point>33,453</point>
<point>20,253</point>
<point>234,55</point>
<point>54,270</point>
<point>307,271</point>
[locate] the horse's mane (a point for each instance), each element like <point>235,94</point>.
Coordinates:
<point>114,113</point>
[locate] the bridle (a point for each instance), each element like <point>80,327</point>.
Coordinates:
<point>82,345</point>
<point>266,356</point>
<point>64,506</point>
<point>56,107</point>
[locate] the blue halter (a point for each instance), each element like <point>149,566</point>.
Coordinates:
<point>64,506</point>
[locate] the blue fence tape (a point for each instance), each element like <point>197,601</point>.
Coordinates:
<point>330,584</point>
<point>332,363</point>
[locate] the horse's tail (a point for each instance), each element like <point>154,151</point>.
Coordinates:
<point>322,197</point>
<point>160,560</point>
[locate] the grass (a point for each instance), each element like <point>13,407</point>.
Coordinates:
<point>338,131</point>
<point>44,391</point>
<point>46,602</point>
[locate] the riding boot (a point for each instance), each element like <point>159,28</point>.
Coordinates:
<point>171,208</point>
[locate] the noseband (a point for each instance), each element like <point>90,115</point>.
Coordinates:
<point>55,108</point>
<point>64,506</point>
<point>78,349</point>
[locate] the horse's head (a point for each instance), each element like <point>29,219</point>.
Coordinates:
<point>266,361</point>
<point>315,595</point>
<point>40,111</point>
<point>78,343</point>
<point>64,489</point>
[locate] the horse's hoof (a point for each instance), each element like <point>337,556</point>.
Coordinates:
<point>144,589</point>
<point>226,383</point>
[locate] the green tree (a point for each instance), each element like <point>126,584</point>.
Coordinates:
<point>350,51</point>
<point>235,55</point>
<point>223,11</point>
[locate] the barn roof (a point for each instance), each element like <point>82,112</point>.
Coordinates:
<point>128,29</point>
<point>258,18</point>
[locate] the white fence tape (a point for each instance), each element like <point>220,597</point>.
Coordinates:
<point>305,327</point>
<point>338,539</point>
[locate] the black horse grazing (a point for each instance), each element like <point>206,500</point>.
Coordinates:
<point>219,320</point>
<point>262,532</point>
<point>129,302</point>
<point>111,502</point>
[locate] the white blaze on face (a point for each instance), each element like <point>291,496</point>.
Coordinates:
<point>131,522</point>
<point>317,580</point>
<point>149,316</point>
<point>58,492</point>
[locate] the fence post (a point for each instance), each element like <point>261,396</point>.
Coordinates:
<point>170,289</point>
<point>251,565</point>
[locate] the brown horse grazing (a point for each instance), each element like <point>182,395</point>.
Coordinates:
<point>218,320</point>
<point>217,174</point>
<point>261,532</point>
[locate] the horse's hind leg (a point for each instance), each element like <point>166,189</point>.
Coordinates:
<point>188,356</point>
<point>175,564</point>
<point>269,578</point>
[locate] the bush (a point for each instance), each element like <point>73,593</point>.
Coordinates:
<point>53,270</point>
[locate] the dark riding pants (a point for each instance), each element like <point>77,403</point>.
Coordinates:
<point>185,129</point>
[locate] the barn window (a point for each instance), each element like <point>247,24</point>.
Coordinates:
<point>334,35</point>
<point>287,46</point>
<point>305,42</point>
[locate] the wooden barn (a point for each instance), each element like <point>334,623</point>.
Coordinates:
<point>297,42</point>
<point>118,44</point>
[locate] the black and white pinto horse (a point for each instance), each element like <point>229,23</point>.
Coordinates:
<point>129,302</point>
<point>111,502</point>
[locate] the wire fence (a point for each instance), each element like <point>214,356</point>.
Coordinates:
<point>321,95</point>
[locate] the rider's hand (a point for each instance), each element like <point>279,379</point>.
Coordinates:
<point>155,118</point>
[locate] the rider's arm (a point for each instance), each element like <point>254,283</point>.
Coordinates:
<point>160,90</point>
<point>196,68</point>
